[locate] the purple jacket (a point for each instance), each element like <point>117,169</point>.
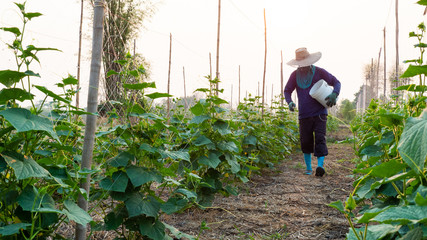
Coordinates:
<point>308,106</point>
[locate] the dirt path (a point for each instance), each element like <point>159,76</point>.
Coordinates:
<point>280,204</point>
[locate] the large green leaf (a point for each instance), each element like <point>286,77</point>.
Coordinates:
<point>23,166</point>
<point>199,119</point>
<point>175,155</point>
<point>414,234</point>
<point>414,70</point>
<point>375,232</point>
<point>13,229</point>
<point>117,183</point>
<point>202,140</point>
<point>174,205</point>
<point>228,146</point>
<point>232,161</point>
<point>76,214</point>
<point>9,77</point>
<point>403,215</point>
<point>338,205</point>
<point>250,140</point>
<point>372,151</point>
<point>158,95</point>
<point>212,160</point>
<point>413,143</point>
<point>369,214</point>
<point>197,109</point>
<point>386,169</point>
<point>121,160</point>
<point>52,94</point>
<point>152,228</point>
<point>137,205</point>
<point>23,121</point>
<point>189,194</point>
<point>140,175</point>
<point>221,127</point>
<point>8,94</point>
<point>3,164</point>
<point>412,88</point>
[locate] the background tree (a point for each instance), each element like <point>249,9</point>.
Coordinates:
<point>123,20</point>
<point>347,110</point>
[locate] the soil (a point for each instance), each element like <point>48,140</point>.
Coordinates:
<point>280,203</point>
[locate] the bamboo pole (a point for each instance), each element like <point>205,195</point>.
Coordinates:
<point>217,45</point>
<point>385,67</point>
<point>169,74</point>
<point>378,74</point>
<point>239,87</point>
<point>79,54</point>
<point>265,63</point>
<point>397,43</point>
<point>185,90</point>
<point>281,80</point>
<point>92,105</point>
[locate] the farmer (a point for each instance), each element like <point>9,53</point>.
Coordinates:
<point>312,114</point>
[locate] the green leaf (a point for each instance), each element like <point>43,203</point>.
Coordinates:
<point>3,164</point>
<point>221,127</point>
<point>412,88</point>
<point>112,72</point>
<point>391,119</point>
<point>121,160</point>
<point>9,77</point>
<point>368,215</point>
<point>23,166</point>
<point>422,2</point>
<point>152,228</point>
<point>177,234</point>
<point>24,121</point>
<point>158,95</point>
<point>32,15</point>
<point>350,204</point>
<point>414,234</point>
<point>197,109</point>
<point>375,232</point>
<point>138,205</point>
<point>117,183</point>
<point>52,94</point>
<point>403,215</point>
<point>175,155</point>
<point>386,169</point>
<point>338,205</point>
<point>414,70</point>
<point>228,146</point>
<point>413,143</point>
<point>232,161</point>
<point>70,80</point>
<point>189,194</point>
<point>8,94</point>
<point>202,140</point>
<point>174,205</point>
<point>199,119</point>
<point>420,200</point>
<point>139,86</point>
<point>212,160</point>
<point>13,229</point>
<point>75,213</point>
<point>30,199</point>
<point>372,151</point>
<point>140,175</point>
<point>13,30</point>
<point>148,148</point>
<point>250,140</point>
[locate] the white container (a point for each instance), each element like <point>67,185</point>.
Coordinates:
<point>320,91</point>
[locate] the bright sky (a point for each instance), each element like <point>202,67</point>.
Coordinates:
<point>348,33</point>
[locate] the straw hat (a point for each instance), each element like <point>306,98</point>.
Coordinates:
<point>303,58</point>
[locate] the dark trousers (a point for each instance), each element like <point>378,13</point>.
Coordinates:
<point>313,135</point>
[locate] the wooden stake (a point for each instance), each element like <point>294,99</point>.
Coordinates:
<point>185,91</point>
<point>169,74</point>
<point>281,80</point>
<point>397,43</point>
<point>239,87</point>
<point>378,74</point>
<point>217,45</point>
<point>79,57</point>
<point>385,68</point>
<point>265,64</point>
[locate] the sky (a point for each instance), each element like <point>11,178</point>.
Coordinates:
<point>349,34</point>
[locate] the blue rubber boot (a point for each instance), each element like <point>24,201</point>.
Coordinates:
<point>320,171</point>
<point>307,159</point>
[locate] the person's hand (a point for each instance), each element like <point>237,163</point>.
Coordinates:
<point>331,100</point>
<point>292,106</point>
